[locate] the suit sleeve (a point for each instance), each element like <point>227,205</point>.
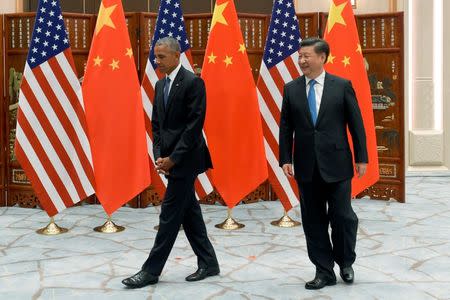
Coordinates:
<point>286,131</point>
<point>196,110</point>
<point>155,127</point>
<point>355,125</point>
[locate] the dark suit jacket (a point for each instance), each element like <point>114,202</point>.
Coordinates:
<point>325,143</point>
<point>177,128</point>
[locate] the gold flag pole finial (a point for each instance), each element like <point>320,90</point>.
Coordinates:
<point>230,223</point>
<point>52,229</point>
<point>109,227</point>
<point>285,222</point>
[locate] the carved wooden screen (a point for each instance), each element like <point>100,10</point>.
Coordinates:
<point>254,32</point>
<point>2,123</point>
<point>18,29</point>
<point>147,25</point>
<point>309,24</point>
<point>133,25</point>
<point>254,28</point>
<point>381,37</point>
<point>132,20</point>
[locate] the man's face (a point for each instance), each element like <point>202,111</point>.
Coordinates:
<point>310,62</point>
<point>166,59</point>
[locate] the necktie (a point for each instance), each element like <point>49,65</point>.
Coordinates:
<point>312,100</point>
<point>166,91</point>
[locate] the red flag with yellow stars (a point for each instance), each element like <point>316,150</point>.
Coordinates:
<point>346,60</point>
<point>233,123</point>
<point>114,111</point>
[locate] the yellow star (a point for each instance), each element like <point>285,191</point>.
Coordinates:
<point>227,60</point>
<point>331,59</point>
<point>218,15</point>
<point>104,17</point>
<point>115,64</point>
<point>212,58</point>
<point>242,48</point>
<point>358,49</point>
<point>98,61</point>
<point>346,61</point>
<point>335,15</point>
<point>129,52</point>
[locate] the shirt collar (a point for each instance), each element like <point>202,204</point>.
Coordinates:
<point>174,73</point>
<point>319,79</point>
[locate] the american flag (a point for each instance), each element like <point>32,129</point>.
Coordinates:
<point>279,66</point>
<point>51,137</point>
<point>170,22</point>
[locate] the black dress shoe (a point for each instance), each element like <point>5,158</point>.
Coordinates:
<point>347,274</point>
<point>319,282</point>
<point>202,273</point>
<point>140,279</point>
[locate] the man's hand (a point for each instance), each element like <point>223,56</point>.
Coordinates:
<point>163,165</point>
<point>361,169</point>
<point>287,169</point>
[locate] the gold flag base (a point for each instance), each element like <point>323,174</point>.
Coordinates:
<point>109,227</point>
<point>230,223</point>
<point>52,229</point>
<point>285,222</point>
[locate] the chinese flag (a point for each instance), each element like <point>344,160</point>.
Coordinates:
<point>114,111</point>
<point>346,60</point>
<point>233,123</point>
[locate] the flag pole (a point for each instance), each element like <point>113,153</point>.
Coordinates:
<point>52,229</point>
<point>109,227</point>
<point>285,221</point>
<point>230,223</point>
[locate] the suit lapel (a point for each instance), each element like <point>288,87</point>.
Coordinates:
<point>301,82</point>
<point>160,101</point>
<point>174,89</point>
<point>327,87</point>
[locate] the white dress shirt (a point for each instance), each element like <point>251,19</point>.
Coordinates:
<point>172,76</point>
<point>318,88</point>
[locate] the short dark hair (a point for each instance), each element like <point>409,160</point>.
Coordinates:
<point>170,42</point>
<point>320,45</point>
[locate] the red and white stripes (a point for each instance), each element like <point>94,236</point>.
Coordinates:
<point>51,136</point>
<point>270,95</point>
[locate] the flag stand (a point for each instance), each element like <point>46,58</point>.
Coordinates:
<point>285,222</point>
<point>52,229</point>
<point>109,227</point>
<point>230,223</point>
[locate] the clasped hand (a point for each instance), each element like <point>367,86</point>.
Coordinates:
<point>163,165</point>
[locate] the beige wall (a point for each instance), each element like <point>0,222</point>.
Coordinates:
<point>446,90</point>
<point>362,6</point>
<point>11,6</point>
<point>427,139</point>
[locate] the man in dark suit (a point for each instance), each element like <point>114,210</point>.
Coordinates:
<point>318,108</point>
<point>181,154</point>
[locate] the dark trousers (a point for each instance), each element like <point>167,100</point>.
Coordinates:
<point>180,206</point>
<point>315,196</point>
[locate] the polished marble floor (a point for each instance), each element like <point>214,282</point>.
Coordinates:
<point>403,253</point>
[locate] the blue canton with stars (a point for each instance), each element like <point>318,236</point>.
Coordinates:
<point>49,35</point>
<point>170,22</point>
<point>283,38</point>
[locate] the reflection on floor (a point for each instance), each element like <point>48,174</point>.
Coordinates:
<point>403,253</point>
